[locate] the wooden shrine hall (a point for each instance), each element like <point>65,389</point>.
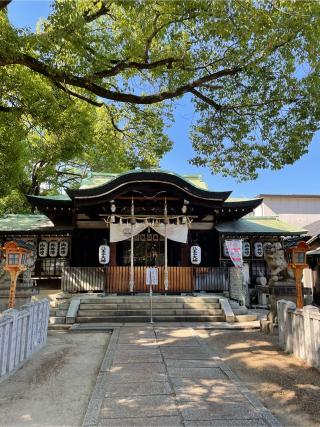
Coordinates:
<point>147,218</point>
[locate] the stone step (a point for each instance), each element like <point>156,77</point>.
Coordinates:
<point>60,313</point>
<point>240,311</point>
<point>246,318</point>
<point>160,299</point>
<point>146,304</point>
<point>57,320</point>
<point>119,319</point>
<point>146,312</point>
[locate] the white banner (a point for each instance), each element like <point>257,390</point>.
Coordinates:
<point>152,276</point>
<point>119,232</point>
<point>235,251</point>
<point>176,232</point>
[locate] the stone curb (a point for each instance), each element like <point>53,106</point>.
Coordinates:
<point>91,417</point>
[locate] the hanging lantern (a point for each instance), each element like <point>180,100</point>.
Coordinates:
<point>63,248</point>
<point>258,249</point>
<point>195,255</point>
<point>53,248</point>
<point>104,254</point>
<point>43,248</point>
<point>246,249</point>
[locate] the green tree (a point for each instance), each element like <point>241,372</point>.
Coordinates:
<point>252,69</point>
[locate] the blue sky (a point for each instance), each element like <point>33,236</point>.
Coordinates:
<point>301,178</point>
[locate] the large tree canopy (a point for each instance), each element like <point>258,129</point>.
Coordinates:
<point>110,71</point>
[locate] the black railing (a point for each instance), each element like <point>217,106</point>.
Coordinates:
<point>211,279</point>
<point>115,279</point>
<point>50,267</point>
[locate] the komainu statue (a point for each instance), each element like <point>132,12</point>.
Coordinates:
<point>275,259</point>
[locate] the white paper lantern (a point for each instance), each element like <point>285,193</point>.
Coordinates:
<point>53,248</point>
<point>104,254</point>
<point>63,248</point>
<point>43,248</point>
<point>245,249</point>
<point>258,249</point>
<point>195,255</point>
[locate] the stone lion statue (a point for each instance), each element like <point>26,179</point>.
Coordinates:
<point>275,259</point>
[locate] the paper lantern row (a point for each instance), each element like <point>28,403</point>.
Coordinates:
<point>53,248</point>
<point>246,249</point>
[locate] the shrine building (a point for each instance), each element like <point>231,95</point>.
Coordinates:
<point>146,218</point>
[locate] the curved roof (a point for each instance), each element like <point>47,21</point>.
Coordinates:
<point>95,179</point>
<point>150,176</point>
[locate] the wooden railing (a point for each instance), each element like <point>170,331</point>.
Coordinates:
<point>115,279</point>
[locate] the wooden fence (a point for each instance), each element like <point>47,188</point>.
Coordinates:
<point>115,279</point>
<point>22,333</point>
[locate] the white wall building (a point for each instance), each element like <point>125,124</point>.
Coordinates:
<point>300,210</point>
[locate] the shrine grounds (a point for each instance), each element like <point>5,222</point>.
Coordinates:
<point>55,386</point>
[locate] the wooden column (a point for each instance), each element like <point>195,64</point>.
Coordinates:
<point>113,254</point>
<point>184,254</point>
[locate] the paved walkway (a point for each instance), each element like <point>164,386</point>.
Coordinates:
<point>166,376</point>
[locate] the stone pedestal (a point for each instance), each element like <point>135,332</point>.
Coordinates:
<point>24,292</point>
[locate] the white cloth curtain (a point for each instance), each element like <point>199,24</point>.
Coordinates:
<point>178,233</point>
<point>119,232</point>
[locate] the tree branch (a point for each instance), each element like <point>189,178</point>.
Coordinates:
<point>123,65</point>
<point>9,109</point>
<point>78,95</point>
<point>104,9</point>
<point>4,3</point>
<point>207,100</point>
<point>56,75</point>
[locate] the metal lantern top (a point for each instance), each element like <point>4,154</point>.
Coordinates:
<point>297,255</point>
<point>15,254</point>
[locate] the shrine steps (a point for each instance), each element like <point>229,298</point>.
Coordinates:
<point>137,309</point>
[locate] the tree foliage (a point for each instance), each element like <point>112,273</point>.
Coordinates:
<point>95,85</point>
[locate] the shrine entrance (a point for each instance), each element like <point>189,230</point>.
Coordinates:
<point>148,250</point>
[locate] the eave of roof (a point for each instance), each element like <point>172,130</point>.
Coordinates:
<point>24,223</point>
<point>291,196</point>
<point>58,200</point>
<point>259,225</point>
<point>242,203</point>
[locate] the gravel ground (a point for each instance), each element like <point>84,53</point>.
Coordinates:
<point>286,386</point>
<point>55,386</point>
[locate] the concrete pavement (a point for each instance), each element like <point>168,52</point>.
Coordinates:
<point>167,376</point>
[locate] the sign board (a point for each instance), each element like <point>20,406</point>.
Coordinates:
<point>235,251</point>
<point>195,255</point>
<point>152,277</point>
<point>104,254</point>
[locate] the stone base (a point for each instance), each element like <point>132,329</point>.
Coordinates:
<point>23,295</point>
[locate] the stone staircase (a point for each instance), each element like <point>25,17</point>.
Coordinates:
<point>137,309</point>
<point>241,312</point>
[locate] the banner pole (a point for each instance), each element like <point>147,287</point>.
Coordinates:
<point>131,279</point>
<point>166,281</point>
<point>151,317</point>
